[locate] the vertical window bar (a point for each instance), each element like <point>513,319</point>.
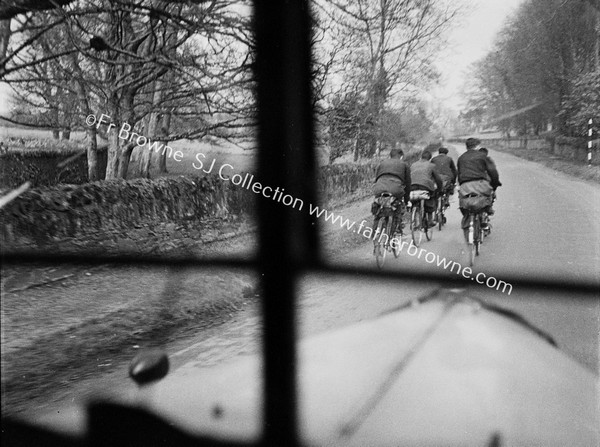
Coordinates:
<point>287,236</point>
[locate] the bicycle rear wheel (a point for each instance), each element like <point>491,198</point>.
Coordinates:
<point>478,234</point>
<point>427,227</point>
<point>488,230</point>
<point>440,213</point>
<point>394,244</point>
<point>415,225</point>
<point>470,239</point>
<point>380,249</point>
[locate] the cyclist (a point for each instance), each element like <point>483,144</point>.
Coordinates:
<point>476,174</point>
<point>393,176</point>
<point>486,152</point>
<point>446,169</point>
<point>424,176</point>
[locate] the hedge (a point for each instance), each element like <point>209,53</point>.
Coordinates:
<point>40,166</point>
<point>43,215</point>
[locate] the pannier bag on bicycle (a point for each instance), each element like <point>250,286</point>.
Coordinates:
<point>474,202</point>
<point>475,195</point>
<point>384,201</point>
<point>419,194</point>
<point>375,207</point>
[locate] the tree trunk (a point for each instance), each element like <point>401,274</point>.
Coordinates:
<point>114,143</point>
<point>124,160</point>
<point>162,161</point>
<point>372,146</point>
<point>92,153</point>
<point>113,102</point>
<point>4,37</point>
<point>114,149</point>
<point>145,156</point>
<point>126,147</point>
<point>90,131</point>
<point>164,131</point>
<point>54,117</point>
<point>153,131</point>
<point>66,135</point>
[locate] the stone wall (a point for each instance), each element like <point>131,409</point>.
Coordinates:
<point>43,167</point>
<point>42,216</point>
<point>68,211</point>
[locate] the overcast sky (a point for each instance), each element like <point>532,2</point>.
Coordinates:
<point>469,41</point>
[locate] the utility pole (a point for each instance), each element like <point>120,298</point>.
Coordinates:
<point>590,132</point>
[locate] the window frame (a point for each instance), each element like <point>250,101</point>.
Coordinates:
<point>288,240</point>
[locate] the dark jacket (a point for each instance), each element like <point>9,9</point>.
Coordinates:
<point>394,166</point>
<point>389,172</point>
<point>475,165</point>
<point>423,173</point>
<point>445,167</point>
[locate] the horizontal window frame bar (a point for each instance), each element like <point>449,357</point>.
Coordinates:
<point>318,267</point>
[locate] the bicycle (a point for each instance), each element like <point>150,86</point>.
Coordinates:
<point>479,223</point>
<point>386,227</point>
<point>419,224</point>
<point>443,203</point>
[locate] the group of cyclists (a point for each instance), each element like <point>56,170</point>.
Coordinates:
<point>474,171</point>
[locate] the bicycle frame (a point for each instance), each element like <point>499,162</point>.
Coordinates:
<point>422,214</point>
<point>475,233</point>
<point>442,205</point>
<point>385,210</point>
<point>473,230</point>
<point>386,223</point>
<point>418,222</point>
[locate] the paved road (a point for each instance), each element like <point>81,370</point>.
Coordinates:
<point>546,226</point>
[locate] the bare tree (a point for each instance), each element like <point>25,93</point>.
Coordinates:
<point>388,48</point>
<point>545,54</point>
<point>113,58</point>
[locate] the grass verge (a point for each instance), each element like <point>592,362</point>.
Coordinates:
<point>573,168</point>
<point>79,335</point>
<point>90,321</point>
